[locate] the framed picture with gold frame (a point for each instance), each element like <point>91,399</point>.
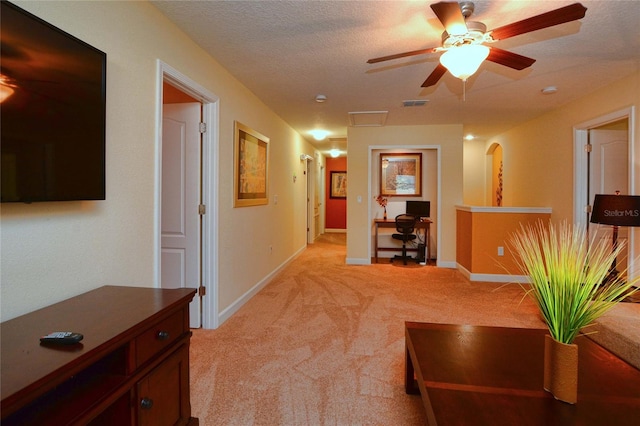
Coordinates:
<point>401,174</point>
<point>338,185</point>
<point>251,167</point>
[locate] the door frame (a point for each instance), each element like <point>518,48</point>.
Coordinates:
<point>580,139</point>
<point>370,197</point>
<point>321,191</point>
<point>210,160</point>
<point>310,194</point>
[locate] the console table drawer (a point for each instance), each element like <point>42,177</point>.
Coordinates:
<point>159,336</point>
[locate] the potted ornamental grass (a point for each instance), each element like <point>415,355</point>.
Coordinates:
<point>573,285</point>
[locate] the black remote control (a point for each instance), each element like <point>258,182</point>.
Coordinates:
<point>62,338</point>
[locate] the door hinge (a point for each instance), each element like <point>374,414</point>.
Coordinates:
<point>203,127</point>
<point>588,147</point>
<point>202,291</point>
<point>202,209</point>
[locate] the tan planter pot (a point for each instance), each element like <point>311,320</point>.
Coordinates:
<point>561,370</point>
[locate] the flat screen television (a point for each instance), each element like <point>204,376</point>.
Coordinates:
<point>52,112</point>
<point>419,208</point>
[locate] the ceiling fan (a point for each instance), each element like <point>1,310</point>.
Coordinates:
<point>463,42</point>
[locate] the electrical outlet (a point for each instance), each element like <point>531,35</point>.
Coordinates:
<point>500,251</point>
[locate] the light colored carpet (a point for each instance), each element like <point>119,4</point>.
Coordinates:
<point>323,343</point>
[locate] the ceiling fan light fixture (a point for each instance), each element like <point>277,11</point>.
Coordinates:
<point>464,60</point>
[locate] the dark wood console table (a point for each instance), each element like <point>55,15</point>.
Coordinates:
<point>132,367</point>
<point>473,375</point>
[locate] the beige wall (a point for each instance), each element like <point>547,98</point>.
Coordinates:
<point>364,139</point>
<point>538,155</point>
<point>475,173</point>
<point>52,251</point>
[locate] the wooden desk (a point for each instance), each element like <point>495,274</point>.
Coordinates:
<point>132,367</point>
<point>473,375</point>
<point>386,223</point>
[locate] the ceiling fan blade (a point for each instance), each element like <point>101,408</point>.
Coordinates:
<point>401,55</point>
<point>450,15</point>
<point>435,76</point>
<point>555,17</point>
<point>509,59</point>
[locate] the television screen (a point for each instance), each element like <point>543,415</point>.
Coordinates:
<point>52,112</point>
<point>419,208</point>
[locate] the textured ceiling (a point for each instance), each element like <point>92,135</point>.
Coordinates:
<point>287,52</point>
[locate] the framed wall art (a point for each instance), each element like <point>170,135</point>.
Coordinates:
<point>338,185</point>
<point>401,174</point>
<point>251,168</point>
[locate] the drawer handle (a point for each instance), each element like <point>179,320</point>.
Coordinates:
<point>146,403</point>
<point>162,335</point>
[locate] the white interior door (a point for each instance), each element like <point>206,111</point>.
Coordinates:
<point>180,219</point>
<point>609,172</point>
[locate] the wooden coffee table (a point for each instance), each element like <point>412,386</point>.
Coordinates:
<point>475,375</point>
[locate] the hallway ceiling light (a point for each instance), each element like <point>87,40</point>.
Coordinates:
<point>319,134</point>
<point>334,153</point>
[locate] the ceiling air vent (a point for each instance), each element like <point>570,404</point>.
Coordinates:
<point>415,103</point>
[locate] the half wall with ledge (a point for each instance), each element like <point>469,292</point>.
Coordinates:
<point>482,235</point>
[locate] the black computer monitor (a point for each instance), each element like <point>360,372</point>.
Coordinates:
<point>419,208</point>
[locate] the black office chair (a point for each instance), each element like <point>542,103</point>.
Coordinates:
<point>405,225</point>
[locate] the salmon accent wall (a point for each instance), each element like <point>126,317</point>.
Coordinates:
<point>336,208</point>
<point>482,230</point>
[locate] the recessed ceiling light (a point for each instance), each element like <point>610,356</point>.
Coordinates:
<point>469,137</point>
<point>549,90</point>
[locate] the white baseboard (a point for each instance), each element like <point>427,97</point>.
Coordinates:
<point>446,264</point>
<point>236,305</point>
<point>357,261</point>
<point>335,231</point>
<point>492,278</point>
